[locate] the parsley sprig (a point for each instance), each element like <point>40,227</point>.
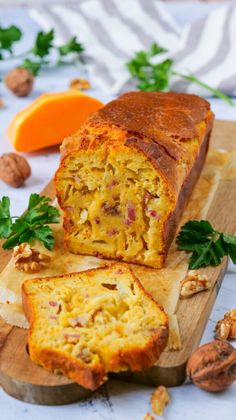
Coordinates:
<point>207,245</point>
<point>71,46</point>
<point>38,56</point>
<point>157,77</point>
<point>8,36</point>
<point>43,43</point>
<point>33,224</point>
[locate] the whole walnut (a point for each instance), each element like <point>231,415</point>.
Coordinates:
<point>20,81</point>
<point>14,169</point>
<point>212,366</point>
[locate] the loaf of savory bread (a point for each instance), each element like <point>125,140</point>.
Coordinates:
<point>87,324</point>
<point>126,175</point>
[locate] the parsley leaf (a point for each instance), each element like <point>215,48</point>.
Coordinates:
<point>5,218</point>
<point>71,46</point>
<point>43,43</point>
<point>44,234</point>
<point>151,77</point>
<point>207,245</point>
<point>36,199</point>
<point>157,77</point>
<point>7,38</point>
<point>33,224</point>
<point>34,58</point>
<point>32,66</point>
<point>230,241</point>
<point>200,256</point>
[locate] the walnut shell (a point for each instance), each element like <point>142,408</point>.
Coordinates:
<point>14,169</point>
<point>20,81</point>
<point>226,327</point>
<point>28,259</point>
<point>212,366</point>
<point>79,84</point>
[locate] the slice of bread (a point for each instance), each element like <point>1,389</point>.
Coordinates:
<point>90,323</point>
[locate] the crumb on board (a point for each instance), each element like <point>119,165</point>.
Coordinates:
<point>159,399</point>
<point>148,416</point>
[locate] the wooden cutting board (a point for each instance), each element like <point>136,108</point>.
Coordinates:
<point>24,380</point>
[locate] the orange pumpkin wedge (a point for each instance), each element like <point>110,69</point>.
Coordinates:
<point>49,119</point>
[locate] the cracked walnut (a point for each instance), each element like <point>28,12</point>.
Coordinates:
<point>28,259</point>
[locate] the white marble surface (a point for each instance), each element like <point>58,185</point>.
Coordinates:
<point>117,400</point>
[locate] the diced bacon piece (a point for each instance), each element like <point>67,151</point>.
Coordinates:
<point>130,213</point>
<point>53,317</point>
<point>112,184</point>
<point>112,232</point>
<point>131,210</point>
<point>71,337</point>
<point>146,198</point>
<point>154,214</point>
<point>53,303</point>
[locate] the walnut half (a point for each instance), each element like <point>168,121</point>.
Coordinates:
<point>226,327</point>
<point>194,282</point>
<point>28,259</point>
<point>80,84</point>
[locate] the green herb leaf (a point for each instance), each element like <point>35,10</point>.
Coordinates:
<point>11,242</point>
<point>44,235</point>
<point>200,256</point>
<point>71,46</point>
<point>230,243</point>
<point>159,77</point>
<point>232,252</point>
<point>36,199</point>
<point>8,36</point>
<point>202,227</point>
<point>43,43</point>
<point>34,59</point>
<point>151,77</point>
<point>5,218</point>
<point>154,77</point>
<point>32,66</point>
<point>229,239</point>
<point>207,245</point>
<point>194,233</point>
<point>33,224</point>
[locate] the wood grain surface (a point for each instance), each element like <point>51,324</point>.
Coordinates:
<point>24,380</point>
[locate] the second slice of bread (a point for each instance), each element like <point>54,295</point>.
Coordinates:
<point>90,323</point>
